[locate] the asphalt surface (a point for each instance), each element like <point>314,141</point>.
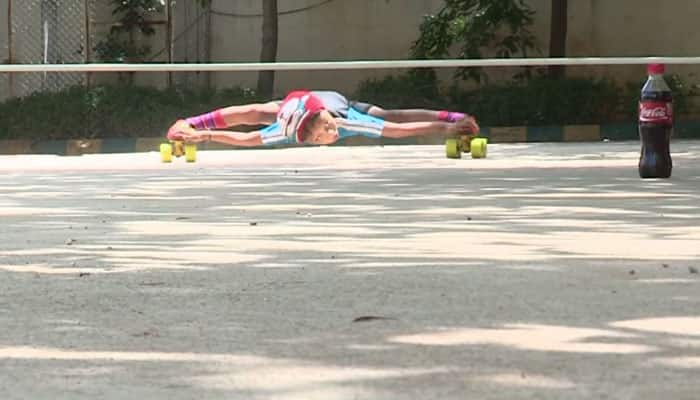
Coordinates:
<point>546,271</point>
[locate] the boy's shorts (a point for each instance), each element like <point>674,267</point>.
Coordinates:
<point>360,124</point>
<point>272,135</point>
<point>361,107</point>
<point>337,104</point>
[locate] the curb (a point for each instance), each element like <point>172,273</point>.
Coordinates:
<point>513,134</point>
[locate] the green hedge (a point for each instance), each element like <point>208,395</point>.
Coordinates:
<point>136,111</point>
<point>108,111</point>
<point>537,101</point>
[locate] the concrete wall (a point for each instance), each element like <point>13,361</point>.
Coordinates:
<point>102,22</point>
<point>337,30</point>
<point>384,29</point>
<point>633,28</point>
<point>372,29</point>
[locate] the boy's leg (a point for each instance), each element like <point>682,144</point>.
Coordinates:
<point>367,125</point>
<point>415,115</point>
<point>466,123</point>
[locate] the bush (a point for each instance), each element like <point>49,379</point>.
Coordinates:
<point>108,111</point>
<point>541,101</point>
<point>538,100</point>
<point>417,88</point>
<point>137,111</point>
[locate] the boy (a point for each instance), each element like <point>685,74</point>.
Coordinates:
<point>318,118</point>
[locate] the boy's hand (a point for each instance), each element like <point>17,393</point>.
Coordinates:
<point>197,137</point>
<point>181,130</point>
<point>467,125</point>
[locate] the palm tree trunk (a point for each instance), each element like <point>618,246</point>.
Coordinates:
<point>266,79</point>
<point>557,36</point>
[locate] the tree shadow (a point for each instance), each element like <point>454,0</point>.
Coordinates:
<point>547,282</point>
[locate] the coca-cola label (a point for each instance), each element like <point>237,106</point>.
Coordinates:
<point>659,112</point>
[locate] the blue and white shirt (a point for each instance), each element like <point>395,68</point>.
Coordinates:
<point>351,119</point>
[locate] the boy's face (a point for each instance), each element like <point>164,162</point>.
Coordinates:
<point>324,130</point>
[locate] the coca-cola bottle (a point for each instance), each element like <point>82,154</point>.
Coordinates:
<point>655,125</point>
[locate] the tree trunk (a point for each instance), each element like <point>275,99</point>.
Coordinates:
<point>266,79</point>
<point>557,36</point>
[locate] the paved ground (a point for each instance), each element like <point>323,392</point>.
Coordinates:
<point>546,271</point>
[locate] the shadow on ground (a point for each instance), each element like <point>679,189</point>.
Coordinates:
<point>408,282</point>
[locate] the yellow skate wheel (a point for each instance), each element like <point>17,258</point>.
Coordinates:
<point>190,152</point>
<point>166,152</point>
<point>178,150</point>
<point>478,147</point>
<point>452,149</point>
<point>465,143</point>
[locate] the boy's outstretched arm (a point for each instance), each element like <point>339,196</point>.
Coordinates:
<point>409,129</point>
<point>183,131</point>
<point>240,139</point>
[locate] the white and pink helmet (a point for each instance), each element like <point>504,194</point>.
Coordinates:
<point>295,111</point>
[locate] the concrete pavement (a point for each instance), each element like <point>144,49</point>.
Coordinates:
<point>545,271</point>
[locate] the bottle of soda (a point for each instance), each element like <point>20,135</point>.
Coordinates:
<point>655,125</point>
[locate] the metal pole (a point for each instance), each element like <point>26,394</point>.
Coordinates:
<point>346,65</point>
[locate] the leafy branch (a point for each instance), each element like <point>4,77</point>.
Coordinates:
<point>501,26</point>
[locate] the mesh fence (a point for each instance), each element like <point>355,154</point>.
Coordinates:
<point>68,31</point>
<point>191,41</point>
<point>49,32</point>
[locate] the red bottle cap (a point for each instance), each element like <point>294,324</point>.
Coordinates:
<point>656,69</point>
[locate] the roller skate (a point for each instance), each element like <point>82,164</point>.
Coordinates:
<point>467,141</point>
<point>177,147</point>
